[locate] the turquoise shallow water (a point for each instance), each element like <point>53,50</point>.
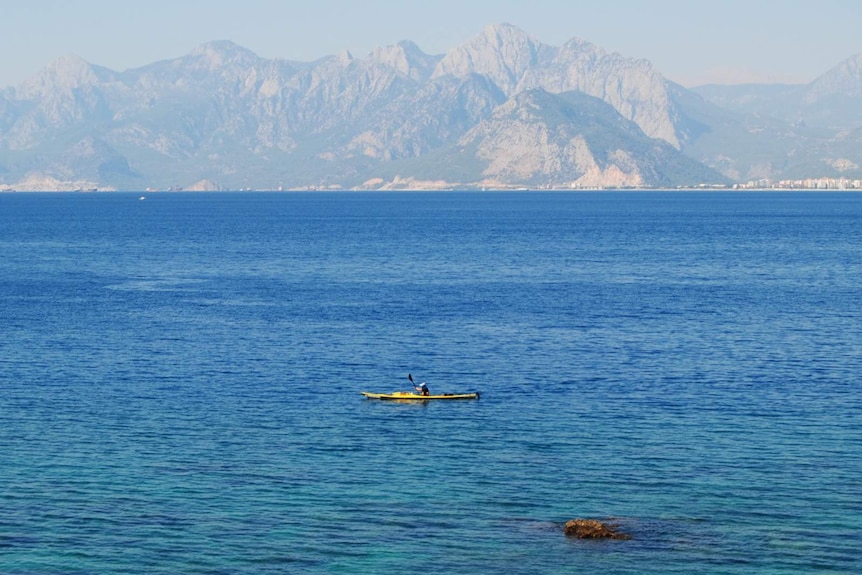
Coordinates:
<point>180,377</point>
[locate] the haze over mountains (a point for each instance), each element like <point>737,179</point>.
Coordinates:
<point>501,110</point>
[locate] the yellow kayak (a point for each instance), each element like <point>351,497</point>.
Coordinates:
<point>410,396</point>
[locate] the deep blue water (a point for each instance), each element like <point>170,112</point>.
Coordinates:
<point>180,378</point>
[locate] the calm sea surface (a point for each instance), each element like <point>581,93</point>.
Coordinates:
<point>180,378</point>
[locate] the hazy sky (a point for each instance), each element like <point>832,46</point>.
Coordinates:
<point>689,41</point>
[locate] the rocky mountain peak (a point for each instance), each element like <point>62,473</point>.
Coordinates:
<point>582,49</point>
<point>407,58</point>
<point>502,52</point>
<point>515,61</point>
<point>221,53</point>
<point>845,78</point>
<point>505,33</point>
<point>343,58</point>
<point>62,75</point>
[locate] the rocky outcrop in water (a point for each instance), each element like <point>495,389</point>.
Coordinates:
<point>593,529</point>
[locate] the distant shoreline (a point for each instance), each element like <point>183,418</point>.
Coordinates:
<point>716,189</point>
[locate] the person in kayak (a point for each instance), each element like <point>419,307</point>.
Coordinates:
<point>422,388</point>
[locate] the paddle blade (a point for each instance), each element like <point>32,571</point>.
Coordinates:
<point>410,377</point>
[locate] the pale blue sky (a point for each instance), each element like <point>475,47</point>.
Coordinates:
<point>689,41</point>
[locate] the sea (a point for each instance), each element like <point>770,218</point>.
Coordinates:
<point>180,378</point>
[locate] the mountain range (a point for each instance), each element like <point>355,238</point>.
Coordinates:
<point>501,110</point>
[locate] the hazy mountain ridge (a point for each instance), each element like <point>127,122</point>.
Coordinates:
<point>830,101</point>
<point>225,116</point>
<point>788,131</point>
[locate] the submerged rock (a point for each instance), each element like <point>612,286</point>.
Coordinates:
<point>592,529</point>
